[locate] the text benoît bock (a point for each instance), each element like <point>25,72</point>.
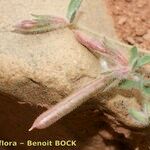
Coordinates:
<point>56,143</point>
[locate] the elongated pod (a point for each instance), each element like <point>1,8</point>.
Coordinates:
<point>70,103</point>
<point>94,45</point>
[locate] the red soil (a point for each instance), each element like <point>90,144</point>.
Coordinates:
<point>132,21</point>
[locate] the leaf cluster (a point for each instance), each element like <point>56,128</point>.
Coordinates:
<point>139,82</point>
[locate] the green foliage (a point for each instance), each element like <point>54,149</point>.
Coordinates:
<point>140,85</point>
<point>130,84</point>
<point>134,57</point>
<point>137,61</point>
<point>143,60</point>
<point>147,108</point>
<point>72,9</point>
<point>138,82</point>
<point>142,116</point>
<point>146,90</point>
<point>41,17</point>
<point>138,115</point>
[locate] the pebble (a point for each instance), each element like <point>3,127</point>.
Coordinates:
<point>139,39</point>
<point>140,31</point>
<point>141,3</point>
<point>147,35</point>
<point>130,40</point>
<point>122,20</point>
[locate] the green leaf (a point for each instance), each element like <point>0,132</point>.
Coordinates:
<point>146,90</point>
<point>134,56</point>
<point>134,53</point>
<point>72,9</point>
<point>147,108</point>
<point>147,82</point>
<point>41,17</point>
<point>138,115</point>
<point>130,84</point>
<point>143,60</point>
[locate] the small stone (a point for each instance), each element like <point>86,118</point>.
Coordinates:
<point>140,31</point>
<point>122,20</point>
<point>147,35</point>
<point>141,3</point>
<point>130,40</point>
<point>139,39</point>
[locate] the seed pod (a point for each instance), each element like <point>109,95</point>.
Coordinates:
<point>100,47</point>
<point>40,24</point>
<point>70,103</point>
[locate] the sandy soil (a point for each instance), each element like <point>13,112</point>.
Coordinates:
<point>132,20</point>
